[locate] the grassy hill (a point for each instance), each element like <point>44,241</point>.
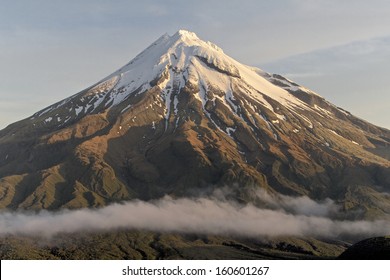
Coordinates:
<point>148,245</point>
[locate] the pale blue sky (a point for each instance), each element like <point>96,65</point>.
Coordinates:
<point>51,49</point>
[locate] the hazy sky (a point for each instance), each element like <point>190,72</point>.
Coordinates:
<point>51,49</point>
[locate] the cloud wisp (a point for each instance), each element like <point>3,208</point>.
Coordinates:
<point>202,216</point>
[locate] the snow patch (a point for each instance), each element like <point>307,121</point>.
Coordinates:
<point>281,117</point>
<point>103,87</point>
<point>306,120</point>
<point>78,110</point>
<point>126,108</point>
<point>335,133</point>
<point>229,97</point>
<point>230,130</point>
<point>323,111</point>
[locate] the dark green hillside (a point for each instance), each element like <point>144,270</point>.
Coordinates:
<point>147,245</point>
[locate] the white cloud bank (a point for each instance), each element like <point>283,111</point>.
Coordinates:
<point>203,216</point>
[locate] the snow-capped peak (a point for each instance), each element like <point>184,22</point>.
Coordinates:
<point>185,34</point>
<point>178,52</point>
<point>177,61</point>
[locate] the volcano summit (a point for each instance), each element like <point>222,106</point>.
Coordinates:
<point>183,118</point>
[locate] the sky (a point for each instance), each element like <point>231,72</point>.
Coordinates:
<point>51,49</point>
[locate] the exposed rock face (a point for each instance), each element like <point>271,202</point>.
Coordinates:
<point>183,118</point>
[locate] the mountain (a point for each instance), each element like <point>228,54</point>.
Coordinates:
<point>183,118</point>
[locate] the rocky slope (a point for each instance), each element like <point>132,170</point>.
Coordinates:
<point>183,118</point>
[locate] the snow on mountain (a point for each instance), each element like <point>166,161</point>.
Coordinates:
<point>181,58</point>
<point>183,64</point>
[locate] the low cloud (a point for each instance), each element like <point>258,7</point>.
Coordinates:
<point>289,216</point>
<point>301,205</point>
